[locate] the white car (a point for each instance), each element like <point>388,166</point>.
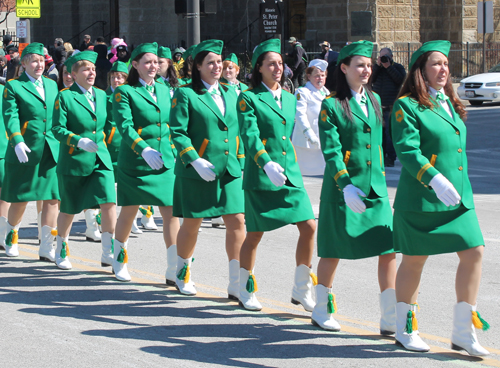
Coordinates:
<point>481,87</point>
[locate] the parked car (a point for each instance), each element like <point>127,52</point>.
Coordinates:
<point>481,87</point>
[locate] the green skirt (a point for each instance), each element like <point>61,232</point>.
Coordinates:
<point>136,187</point>
<point>25,183</point>
<point>2,171</point>
<point>345,234</point>
<point>204,199</point>
<point>428,233</point>
<point>79,193</point>
<point>267,210</point>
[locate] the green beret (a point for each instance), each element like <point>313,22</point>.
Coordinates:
<point>143,48</point>
<point>84,55</point>
<point>214,46</point>
<point>33,48</point>
<point>273,45</point>
<point>119,66</point>
<point>164,52</point>
<point>362,48</point>
<point>188,52</point>
<point>441,46</point>
<point>177,51</point>
<point>233,58</point>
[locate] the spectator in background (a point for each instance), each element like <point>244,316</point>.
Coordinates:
<point>115,42</point>
<point>69,49</point>
<point>14,61</point>
<point>123,54</point>
<point>60,55</point>
<point>299,61</point>
<point>86,43</point>
<point>100,41</point>
<point>7,40</point>
<point>3,73</point>
<point>387,79</point>
<point>102,67</point>
<point>50,68</point>
<point>327,54</point>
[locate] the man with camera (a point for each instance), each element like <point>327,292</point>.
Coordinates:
<point>387,78</point>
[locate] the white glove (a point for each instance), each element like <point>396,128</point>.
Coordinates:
<point>311,136</point>
<point>204,169</point>
<point>152,158</point>
<point>445,191</point>
<point>352,200</point>
<point>274,171</point>
<point>21,149</point>
<point>87,144</point>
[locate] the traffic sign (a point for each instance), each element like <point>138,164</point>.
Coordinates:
<point>28,8</point>
<point>22,29</point>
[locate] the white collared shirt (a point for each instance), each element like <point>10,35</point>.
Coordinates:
<point>217,99</point>
<point>41,91</point>
<point>275,94</point>
<point>358,96</point>
<point>444,103</point>
<point>91,90</point>
<point>152,84</point>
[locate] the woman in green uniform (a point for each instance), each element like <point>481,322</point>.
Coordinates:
<point>208,168</point>
<point>4,206</point>
<point>84,169</point>
<point>166,69</point>
<point>274,192</point>
<point>145,174</point>
<point>32,153</point>
<point>355,217</point>
<point>230,72</point>
<point>187,67</point>
<point>434,208</point>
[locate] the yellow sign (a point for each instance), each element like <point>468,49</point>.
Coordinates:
<point>28,8</point>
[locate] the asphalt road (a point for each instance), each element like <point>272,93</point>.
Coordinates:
<point>83,317</point>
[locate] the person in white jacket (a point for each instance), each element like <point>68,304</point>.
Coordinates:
<point>305,134</point>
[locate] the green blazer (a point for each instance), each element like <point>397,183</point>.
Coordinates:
<point>74,119</point>
<point>142,122</point>
<point>352,150</point>
<point>239,87</point>
<point>112,135</point>
<point>266,131</point>
<point>428,142</point>
<point>4,138</point>
<point>28,118</point>
<point>200,130</point>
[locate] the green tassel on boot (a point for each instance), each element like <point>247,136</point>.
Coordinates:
<point>409,322</point>
<point>63,250</point>
<point>181,275</point>
<point>112,245</point>
<point>8,239</point>
<point>330,307</point>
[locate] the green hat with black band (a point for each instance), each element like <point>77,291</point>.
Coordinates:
<point>144,48</point>
<point>271,45</point>
<point>164,53</point>
<point>84,55</point>
<point>214,46</point>
<point>33,48</point>
<point>188,52</point>
<point>361,48</point>
<point>119,66</point>
<point>439,45</point>
<point>233,58</point>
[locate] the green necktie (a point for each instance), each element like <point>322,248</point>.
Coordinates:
<point>363,101</point>
<point>440,96</point>
<point>322,93</point>
<point>150,89</point>
<point>38,83</point>
<point>89,96</point>
<point>277,99</point>
<point>215,92</point>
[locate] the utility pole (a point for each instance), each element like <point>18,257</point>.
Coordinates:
<point>193,22</point>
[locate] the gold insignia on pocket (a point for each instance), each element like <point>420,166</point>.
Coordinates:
<point>57,105</point>
<point>323,115</point>
<point>243,105</point>
<point>5,92</point>
<point>298,96</point>
<point>399,116</point>
<point>174,103</point>
<point>118,97</point>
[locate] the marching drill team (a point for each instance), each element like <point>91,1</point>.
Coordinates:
<point>207,146</point>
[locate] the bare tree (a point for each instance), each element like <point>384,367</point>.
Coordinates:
<point>7,7</point>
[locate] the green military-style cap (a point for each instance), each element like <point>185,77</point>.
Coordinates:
<point>164,52</point>
<point>119,66</point>
<point>441,46</point>
<point>84,55</point>
<point>33,48</point>
<point>188,52</point>
<point>362,48</point>
<point>144,48</point>
<point>233,58</point>
<point>271,45</point>
<point>214,46</point>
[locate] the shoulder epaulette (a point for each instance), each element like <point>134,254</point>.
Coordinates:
<point>64,89</point>
<point>185,85</point>
<point>333,94</point>
<point>404,96</point>
<point>224,84</point>
<point>249,88</point>
<point>10,80</point>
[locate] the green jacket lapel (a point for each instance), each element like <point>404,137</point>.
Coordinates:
<point>81,99</point>
<point>267,97</point>
<point>162,93</point>
<point>440,111</point>
<point>207,99</point>
<point>140,89</point>
<point>356,110</point>
<point>29,86</point>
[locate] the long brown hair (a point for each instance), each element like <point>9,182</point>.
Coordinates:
<point>416,86</point>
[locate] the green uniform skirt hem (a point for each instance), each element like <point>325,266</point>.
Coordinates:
<point>137,187</point>
<point>344,234</point>
<point>267,210</point>
<point>428,233</point>
<point>201,199</point>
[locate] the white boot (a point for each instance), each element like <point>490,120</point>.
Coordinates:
<point>135,228</point>
<point>388,312</point>
<point>47,252</point>
<point>183,281</point>
<point>248,288</point>
<point>465,321</point>
<point>107,250</point>
<point>92,233</point>
<point>302,287</point>
<point>171,273</point>
<point>62,253</point>
<point>120,261</point>
<point>322,315</point>
<point>3,231</point>
<point>217,221</point>
<point>147,220</point>
<point>233,289</point>
<point>11,239</point>
<point>39,225</point>
<point>405,336</point>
